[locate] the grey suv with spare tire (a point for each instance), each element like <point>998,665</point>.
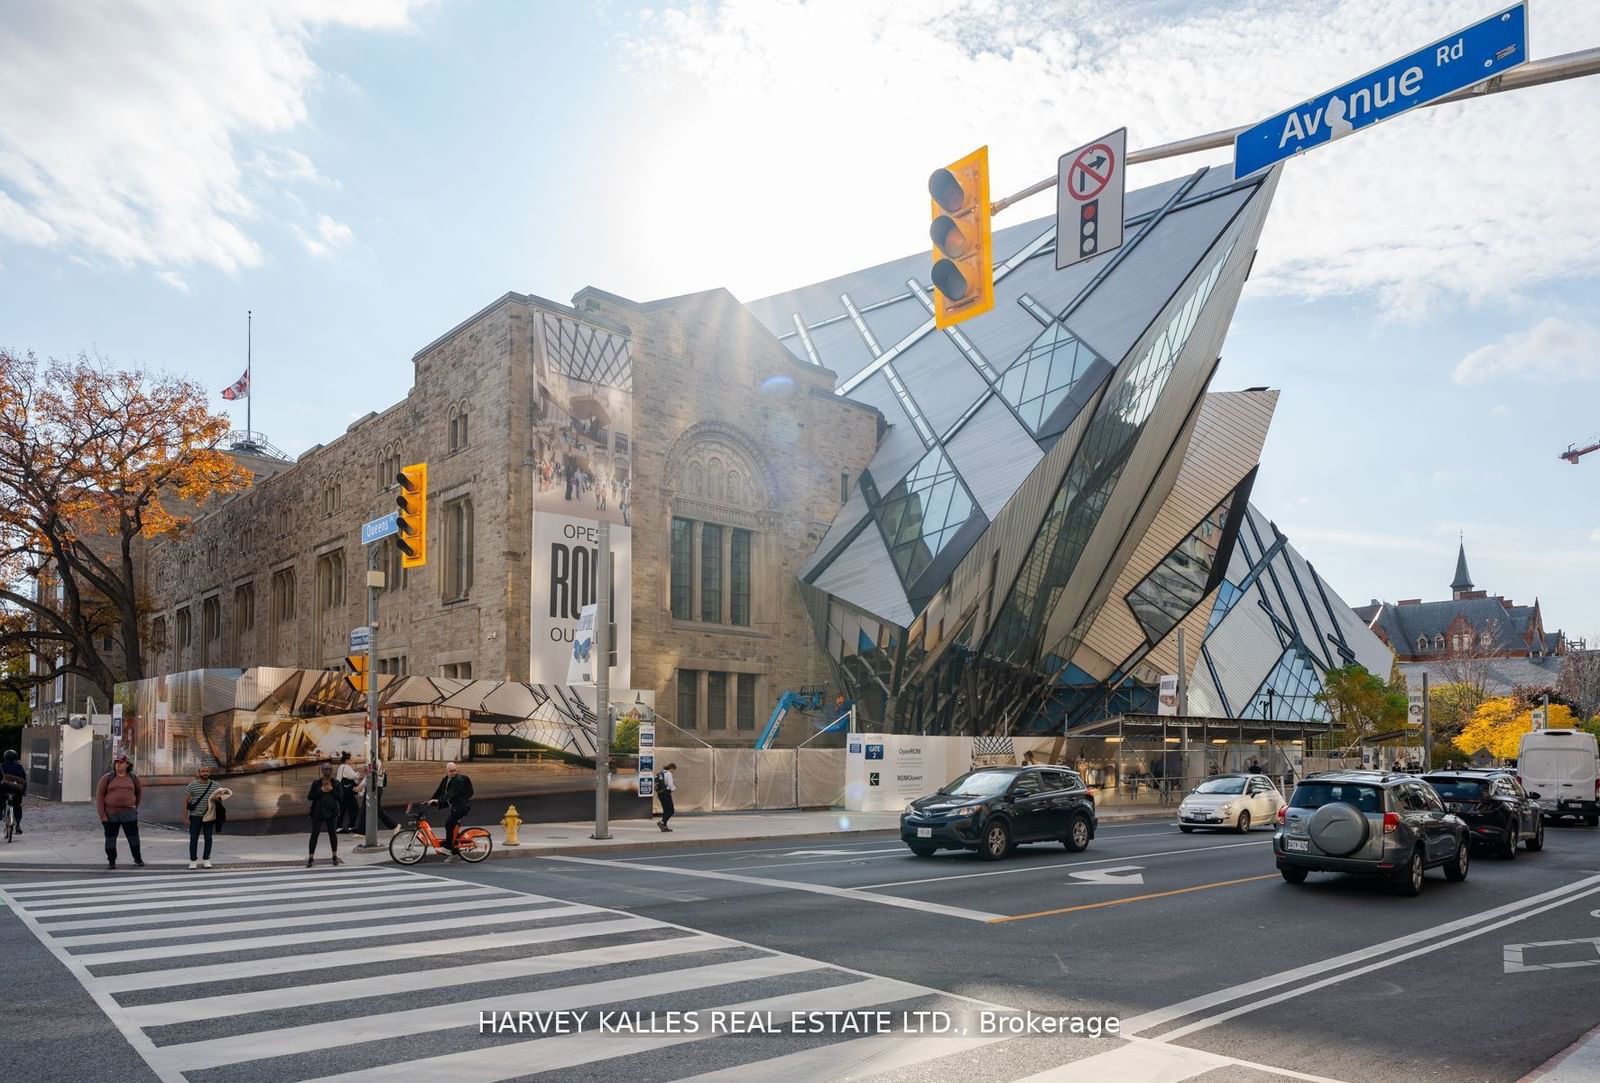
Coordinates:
<point>1369,823</point>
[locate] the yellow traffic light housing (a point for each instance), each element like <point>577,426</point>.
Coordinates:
<point>357,677</point>
<point>413,515</point>
<point>963,256</point>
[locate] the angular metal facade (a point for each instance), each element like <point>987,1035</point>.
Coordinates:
<point>1056,493</point>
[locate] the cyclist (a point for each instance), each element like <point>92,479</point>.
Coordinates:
<point>13,784</point>
<point>454,793</point>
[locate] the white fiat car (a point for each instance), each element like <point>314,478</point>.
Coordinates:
<point>1231,801</point>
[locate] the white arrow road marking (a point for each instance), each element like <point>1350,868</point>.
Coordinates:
<point>1116,874</point>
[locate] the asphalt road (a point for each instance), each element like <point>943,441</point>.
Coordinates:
<point>1216,967</point>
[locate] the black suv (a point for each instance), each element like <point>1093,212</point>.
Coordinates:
<point>1498,811</point>
<point>1371,823</point>
<point>992,809</point>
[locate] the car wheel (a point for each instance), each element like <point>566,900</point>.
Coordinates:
<point>1457,869</point>
<point>1293,875</point>
<point>1077,839</point>
<point>1244,822</point>
<point>1408,880</point>
<point>924,851</point>
<point>1508,845</point>
<point>1186,829</point>
<point>1537,842</point>
<point>996,841</point>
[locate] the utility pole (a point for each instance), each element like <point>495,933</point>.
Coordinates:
<point>602,688</point>
<point>1427,726</point>
<point>374,767</point>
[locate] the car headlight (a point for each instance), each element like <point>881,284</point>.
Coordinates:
<point>968,810</point>
<point>910,808</point>
<point>1225,809</point>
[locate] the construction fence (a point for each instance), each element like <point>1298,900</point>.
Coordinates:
<point>743,779</point>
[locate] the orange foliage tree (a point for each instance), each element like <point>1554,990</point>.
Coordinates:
<point>1498,726</point>
<point>94,462</point>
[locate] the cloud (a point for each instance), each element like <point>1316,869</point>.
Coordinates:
<point>820,120</point>
<point>125,136</point>
<point>1500,409</point>
<point>174,279</point>
<point>330,235</point>
<point>1554,350</point>
<point>1338,537</point>
<point>1594,535</point>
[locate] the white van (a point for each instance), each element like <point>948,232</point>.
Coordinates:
<point>1563,768</point>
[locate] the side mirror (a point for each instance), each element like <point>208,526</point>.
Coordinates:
<point>1534,794</point>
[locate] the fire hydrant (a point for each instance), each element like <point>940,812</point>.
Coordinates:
<point>511,822</point>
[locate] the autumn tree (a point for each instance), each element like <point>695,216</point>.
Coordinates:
<point>1362,703</point>
<point>1498,725</point>
<point>94,463</point>
<point>1450,706</point>
<point>1580,680</point>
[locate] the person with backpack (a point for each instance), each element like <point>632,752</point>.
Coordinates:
<point>345,776</point>
<point>203,799</point>
<point>13,784</point>
<point>116,799</point>
<point>665,788</point>
<point>324,799</point>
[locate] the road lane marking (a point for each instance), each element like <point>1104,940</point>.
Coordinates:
<point>1116,874</point>
<point>1149,1061</point>
<point>1161,1016</point>
<point>792,885</point>
<point>1131,899</point>
<point>1062,865</point>
<point>867,855</point>
<point>1515,965</point>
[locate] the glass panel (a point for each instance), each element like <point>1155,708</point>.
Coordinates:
<point>747,701</point>
<point>688,698</point>
<point>739,560</point>
<point>1176,585</point>
<point>710,572</point>
<point>923,513</point>
<point>1044,374</point>
<point>1293,685</point>
<point>682,568</point>
<point>717,701</point>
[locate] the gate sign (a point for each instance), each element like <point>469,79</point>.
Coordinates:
<point>1090,182</point>
<point>1479,52</point>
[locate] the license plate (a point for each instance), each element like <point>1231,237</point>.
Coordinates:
<point>924,832</point>
<point>1296,844</point>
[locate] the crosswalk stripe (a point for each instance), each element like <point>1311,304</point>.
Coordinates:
<point>383,953</point>
<point>858,1058</point>
<point>287,896</point>
<point>294,996</point>
<point>197,879</point>
<point>50,887</point>
<point>298,920</point>
<point>298,884</point>
<point>516,1059</point>
<point>120,921</point>
<point>215,1052</point>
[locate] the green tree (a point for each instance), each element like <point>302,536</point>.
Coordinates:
<point>625,740</point>
<point>1450,706</point>
<point>1362,703</point>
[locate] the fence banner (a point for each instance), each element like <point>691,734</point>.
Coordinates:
<point>775,778</point>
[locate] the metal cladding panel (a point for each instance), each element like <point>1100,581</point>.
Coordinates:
<point>994,455</point>
<point>897,453</point>
<point>1112,318</point>
<point>840,346</point>
<point>865,577</point>
<point>1324,649</point>
<point>844,521</point>
<point>893,322</point>
<point>1002,334</point>
<point>1279,584</point>
<point>1244,648</point>
<point>1370,651</point>
<point>941,380</point>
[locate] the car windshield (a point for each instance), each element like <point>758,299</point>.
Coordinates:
<point>1221,785</point>
<point>1316,794</point>
<point>1458,789</point>
<point>980,783</point>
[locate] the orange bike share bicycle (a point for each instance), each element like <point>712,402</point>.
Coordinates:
<point>412,842</point>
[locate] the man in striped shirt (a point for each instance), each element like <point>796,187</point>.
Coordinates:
<point>199,799</point>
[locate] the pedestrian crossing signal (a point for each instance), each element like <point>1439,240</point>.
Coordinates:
<point>412,518</point>
<point>963,263</point>
<point>357,677</point>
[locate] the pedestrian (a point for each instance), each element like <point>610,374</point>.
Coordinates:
<point>323,797</point>
<point>1255,766</point>
<point>665,788</point>
<point>202,799</point>
<point>454,792</point>
<point>1027,759</point>
<point>361,799</point>
<point>13,784</point>
<point>1212,770</point>
<point>116,799</point>
<point>345,776</point>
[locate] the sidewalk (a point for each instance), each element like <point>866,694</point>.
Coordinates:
<point>69,837</point>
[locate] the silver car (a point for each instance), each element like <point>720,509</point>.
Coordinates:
<point>1234,802</point>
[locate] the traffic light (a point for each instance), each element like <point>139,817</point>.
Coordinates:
<point>413,515</point>
<point>357,677</point>
<point>963,264</point>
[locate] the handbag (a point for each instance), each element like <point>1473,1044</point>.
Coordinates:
<point>222,814</point>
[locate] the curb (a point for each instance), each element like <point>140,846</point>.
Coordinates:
<point>504,853</point>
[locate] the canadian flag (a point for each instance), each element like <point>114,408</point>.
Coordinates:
<point>239,390</point>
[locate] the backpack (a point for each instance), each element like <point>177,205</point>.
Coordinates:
<point>661,782</point>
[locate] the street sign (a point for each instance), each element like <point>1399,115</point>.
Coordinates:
<point>1478,52</point>
<point>1539,718</point>
<point>380,528</point>
<point>360,638</point>
<point>1090,182</point>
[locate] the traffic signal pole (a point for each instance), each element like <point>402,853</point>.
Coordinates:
<point>374,766</point>
<point>1534,73</point>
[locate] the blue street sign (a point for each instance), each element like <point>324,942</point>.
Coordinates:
<point>1479,52</point>
<point>378,529</point>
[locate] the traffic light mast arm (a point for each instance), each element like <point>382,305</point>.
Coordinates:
<point>1534,73</point>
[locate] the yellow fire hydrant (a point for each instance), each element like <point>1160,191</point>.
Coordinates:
<point>511,822</point>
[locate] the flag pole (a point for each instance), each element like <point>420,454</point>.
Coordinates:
<point>249,401</point>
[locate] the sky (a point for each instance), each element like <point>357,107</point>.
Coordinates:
<point>365,174</point>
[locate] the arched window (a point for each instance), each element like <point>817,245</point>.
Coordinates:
<point>1422,643</point>
<point>719,510</point>
<point>1438,642</point>
<point>1483,640</point>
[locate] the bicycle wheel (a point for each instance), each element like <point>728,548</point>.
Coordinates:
<point>474,844</point>
<point>407,847</point>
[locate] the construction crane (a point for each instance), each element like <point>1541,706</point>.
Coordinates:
<point>1574,452</point>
